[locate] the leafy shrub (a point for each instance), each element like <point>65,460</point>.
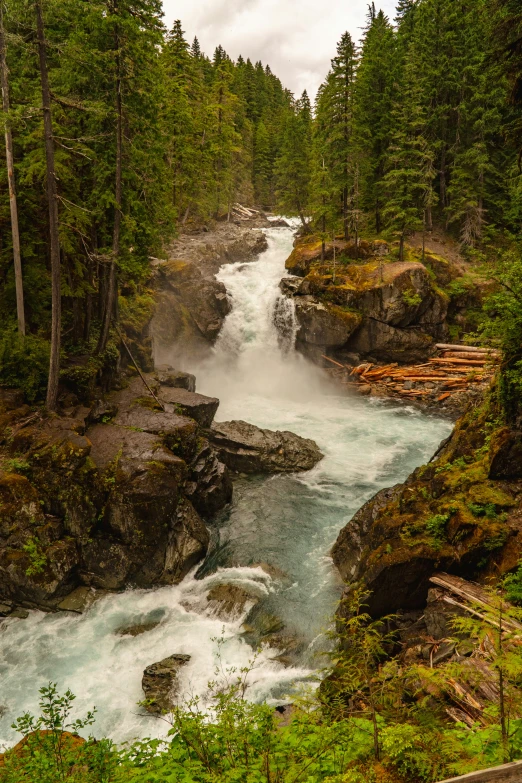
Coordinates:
<point>408,748</point>
<point>436,527</point>
<point>52,752</point>
<point>487,510</point>
<point>24,363</point>
<point>513,586</point>
<point>37,559</point>
<point>17,465</point>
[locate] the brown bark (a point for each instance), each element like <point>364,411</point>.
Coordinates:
<point>111,287</point>
<point>52,198</point>
<point>11,180</point>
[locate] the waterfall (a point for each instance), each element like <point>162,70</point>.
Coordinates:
<point>288,522</point>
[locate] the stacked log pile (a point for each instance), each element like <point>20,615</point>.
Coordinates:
<point>454,369</point>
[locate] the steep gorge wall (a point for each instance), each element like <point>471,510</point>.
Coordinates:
<point>366,305</point>
<point>461,513</point>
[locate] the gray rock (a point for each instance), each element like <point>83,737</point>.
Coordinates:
<point>167,376</point>
<point>506,455</point>
<point>138,628</point>
<point>102,411</point>
<point>249,449</point>
<point>228,601</point>
<point>352,540</point>
<point>161,685</point>
<point>80,599</point>
<point>200,408</point>
<point>323,324</point>
<point>21,614</point>
<point>290,285</point>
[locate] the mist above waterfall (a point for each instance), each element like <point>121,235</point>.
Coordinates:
<point>254,354</point>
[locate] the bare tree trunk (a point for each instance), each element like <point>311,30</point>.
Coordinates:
<point>323,243</point>
<point>401,246</point>
<point>501,687</point>
<point>423,236</point>
<point>19,286</point>
<point>346,230</point>
<point>334,257</point>
<point>52,198</point>
<point>111,288</point>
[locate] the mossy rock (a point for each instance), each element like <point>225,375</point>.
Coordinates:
<point>447,516</point>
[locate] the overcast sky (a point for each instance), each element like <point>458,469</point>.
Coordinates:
<point>296,38</point>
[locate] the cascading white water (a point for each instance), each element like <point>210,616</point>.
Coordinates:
<point>289,522</point>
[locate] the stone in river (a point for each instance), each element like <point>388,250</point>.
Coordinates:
<point>160,684</point>
<point>248,449</point>
<point>138,628</point>
<point>228,602</point>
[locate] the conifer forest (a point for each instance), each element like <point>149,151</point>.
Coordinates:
<point>309,570</point>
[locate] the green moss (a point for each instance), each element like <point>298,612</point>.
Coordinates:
<point>37,558</point>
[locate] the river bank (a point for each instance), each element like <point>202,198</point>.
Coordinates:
<point>286,521</point>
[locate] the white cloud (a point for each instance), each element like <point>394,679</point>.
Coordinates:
<point>296,38</point>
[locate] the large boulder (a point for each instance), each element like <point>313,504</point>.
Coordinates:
<point>308,251</point>
<point>143,521</point>
<point>249,449</point>
<point>200,408</point>
<point>107,497</point>
<point>389,311</point>
<point>166,375</point>
<point>209,486</point>
<point>506,455</point>
<point>323,324</point>
<point>160,684</point>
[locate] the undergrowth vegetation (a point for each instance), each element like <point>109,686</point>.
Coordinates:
<point>374,718</point>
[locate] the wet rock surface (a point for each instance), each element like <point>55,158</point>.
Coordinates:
<point>104,500</point>
<point>192,304</point>
<point>449,515</point>
<point>245,448</point>
<point>390,311</point>
<point>160,684</point>
<point>228,601</point>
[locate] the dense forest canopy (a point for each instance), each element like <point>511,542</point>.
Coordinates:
<point>416,125</point>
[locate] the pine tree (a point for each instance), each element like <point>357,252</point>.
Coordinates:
<point>293,165</point>
<point>15,232</point>
<point>52,200</point>
<point>262,165</point>
<point>195,49</point>
<point>224,139</point>
<point>336,114</point>
<point>408,180</point>
<point>376,83</point>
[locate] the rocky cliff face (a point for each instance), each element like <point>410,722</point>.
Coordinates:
<point>390,311</point>
<point>110,496</point>
<point>191,304</point>
<point>118,494</point>
<point>461,513</point>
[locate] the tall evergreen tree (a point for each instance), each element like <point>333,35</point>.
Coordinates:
<point>294,162</point>
<point>336,115</point>
<point>408,180</point>
<point>376,82</point>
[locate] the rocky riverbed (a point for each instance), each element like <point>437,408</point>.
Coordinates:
<point>120,493</point>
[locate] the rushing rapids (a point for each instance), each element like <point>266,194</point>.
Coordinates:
<point>288,522</point>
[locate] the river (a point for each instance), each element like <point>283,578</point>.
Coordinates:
<point>287,521</point>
